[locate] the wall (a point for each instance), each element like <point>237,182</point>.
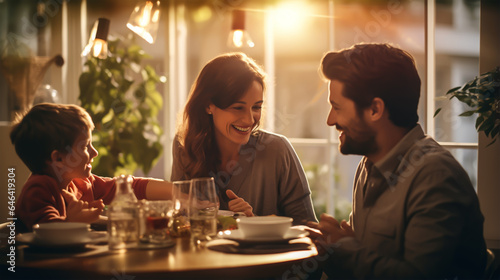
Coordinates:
<point>9,159</point>
<point>489,157</point>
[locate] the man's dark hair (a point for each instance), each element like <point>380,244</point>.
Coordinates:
<point>377,70</point>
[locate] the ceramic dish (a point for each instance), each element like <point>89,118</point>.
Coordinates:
<point>264,226</point>
<point>225,213</point>
<point>92,237</point>
<point>237,235</point>
<point>61,233</point>
<point>166,244</point>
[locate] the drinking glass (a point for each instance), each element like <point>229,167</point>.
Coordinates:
<point>124,216</point>
<point>180,197</point>
<point>158,219</point>
<point>203,206</point>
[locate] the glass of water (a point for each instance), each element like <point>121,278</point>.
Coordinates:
<point>180,196</point>
<point>203,207</point>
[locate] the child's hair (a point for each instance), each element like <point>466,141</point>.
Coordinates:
<point>47,127</point>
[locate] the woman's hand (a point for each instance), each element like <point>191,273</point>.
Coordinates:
<point>238,204</point>
<point>81,211</point>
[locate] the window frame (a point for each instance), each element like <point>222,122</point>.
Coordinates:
<point>178,83</point>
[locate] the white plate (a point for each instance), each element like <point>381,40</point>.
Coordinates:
<point>225,213</point>
<point>237,235</point>
<point>92,238</point>
<point>166,244</point>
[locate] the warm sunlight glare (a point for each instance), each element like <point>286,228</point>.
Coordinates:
<point>290,15</point>
<point>202,14</point>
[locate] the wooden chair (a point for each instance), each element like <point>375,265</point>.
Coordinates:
<point>4,235</point>
<point>492,269</point>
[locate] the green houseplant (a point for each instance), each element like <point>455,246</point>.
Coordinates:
<point>482,94</point>
<point>120,94</point>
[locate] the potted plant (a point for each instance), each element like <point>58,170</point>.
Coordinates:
<point>482,94</point>
<point>120,94</point>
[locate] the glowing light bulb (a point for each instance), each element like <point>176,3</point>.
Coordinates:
<point>239,37</point>
<point>144,20</point>
<point>98,41</point>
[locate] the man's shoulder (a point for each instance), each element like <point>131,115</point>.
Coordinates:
<point>430,150</point>
<point>429,157</point>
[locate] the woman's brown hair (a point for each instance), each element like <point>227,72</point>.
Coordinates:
<point>222,82</point>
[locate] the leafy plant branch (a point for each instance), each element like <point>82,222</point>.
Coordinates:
<point>120,95</point>
<point>482,94</point>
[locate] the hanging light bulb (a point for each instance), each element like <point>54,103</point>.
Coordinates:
<point>144,20</point>
<point>239,37</point>
<point>98,40</point>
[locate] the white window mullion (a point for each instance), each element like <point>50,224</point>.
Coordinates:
<point>64,52</point>
<point>331,150</point>
<point>430,90</point>
<point>269,66</point>
<point>177,76</point>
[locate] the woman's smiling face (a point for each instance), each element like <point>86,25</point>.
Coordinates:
<point>234,124</point>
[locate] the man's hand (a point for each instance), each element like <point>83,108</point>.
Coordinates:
<point>313,232</point>
<point>238,204</point>
<point>331,230</point>
<point>81,211</point>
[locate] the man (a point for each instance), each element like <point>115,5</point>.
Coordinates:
<point>415,214</point>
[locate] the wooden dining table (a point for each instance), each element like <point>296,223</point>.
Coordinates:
<point>183,260</point>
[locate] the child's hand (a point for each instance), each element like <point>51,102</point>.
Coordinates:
<point>238,204</point>
<point>81,211</point>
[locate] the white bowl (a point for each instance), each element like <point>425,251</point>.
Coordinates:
<point>61,232</point>
<point>264,226</point>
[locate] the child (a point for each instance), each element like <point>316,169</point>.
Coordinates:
<point>55,142</point>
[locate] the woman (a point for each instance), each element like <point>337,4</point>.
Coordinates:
<point>256,172</point>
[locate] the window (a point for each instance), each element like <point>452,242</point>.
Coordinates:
<point>290,39</point>
<point>456,61</point>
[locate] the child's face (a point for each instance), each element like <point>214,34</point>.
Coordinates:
<point>78,161</point>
